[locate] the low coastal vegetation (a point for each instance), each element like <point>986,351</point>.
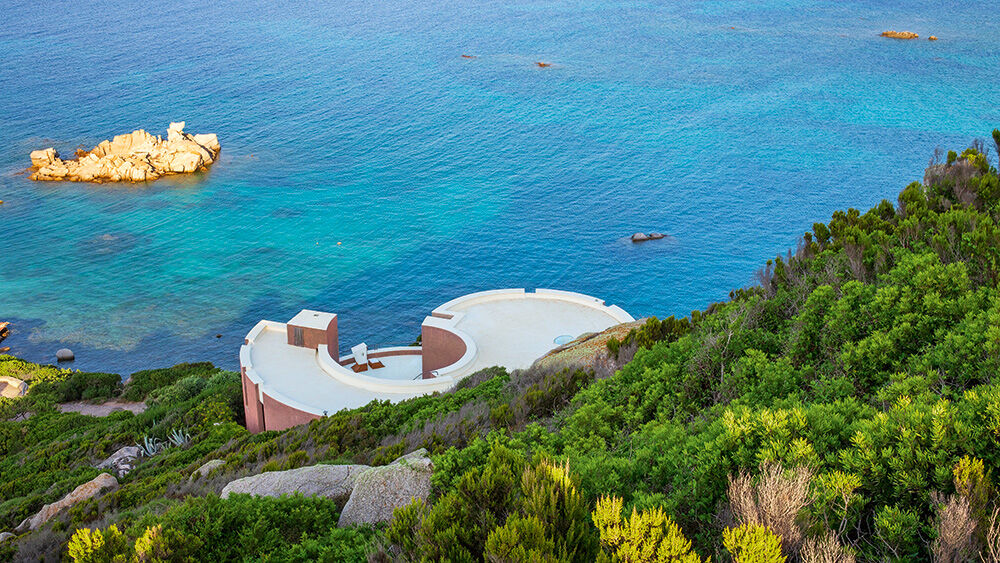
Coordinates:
<point>845,408</point>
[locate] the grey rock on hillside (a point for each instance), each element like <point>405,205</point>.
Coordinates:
<point>207,468</point>
<point>83,492</point>
<point>122,461</point>
<point>331,481</point>
<point>380,490</point>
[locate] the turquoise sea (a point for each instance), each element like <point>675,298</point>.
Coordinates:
<point>730,126</point>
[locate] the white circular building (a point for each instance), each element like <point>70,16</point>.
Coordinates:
<point>294,372</point>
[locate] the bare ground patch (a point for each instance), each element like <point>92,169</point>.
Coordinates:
<point>102,409</point>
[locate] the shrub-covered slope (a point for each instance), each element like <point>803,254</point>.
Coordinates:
<point>846,408</point>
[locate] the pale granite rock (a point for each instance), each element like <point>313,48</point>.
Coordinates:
<point>331,481</point>
<point>90,489</point>
<point>134,157</point>
<point>43,157</point>
<point>207,468</point>
<point>381,490</point>
<point>11,387</point>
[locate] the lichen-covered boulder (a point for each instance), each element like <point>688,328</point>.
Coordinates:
<point>380,490</point>
<point>331,481</point>
<point>90,489</point>
<point>122,461</point>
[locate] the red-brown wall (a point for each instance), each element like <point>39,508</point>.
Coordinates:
<point>251,404</point>
<point>279,416</point>
<point>313,337</point>
<point>271,414</point>
<point>440,348</point>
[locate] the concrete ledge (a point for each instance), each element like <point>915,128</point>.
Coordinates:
<point>376,384</point>
<point>256,330</point>
<point>395,351</point>
<point>620,314</point>
<point>447,310</point>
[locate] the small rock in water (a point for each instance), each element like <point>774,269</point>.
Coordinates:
<point>656,236</point>
<point>899,34</point>
<point>65,355</point>
<point>639,237</point>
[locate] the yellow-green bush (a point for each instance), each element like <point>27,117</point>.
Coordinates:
<point>751,543</point>
<point>645,537</point>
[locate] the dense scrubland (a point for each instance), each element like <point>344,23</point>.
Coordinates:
<point>845,408</point>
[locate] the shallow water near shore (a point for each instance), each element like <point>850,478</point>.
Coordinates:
<point>730,126</point>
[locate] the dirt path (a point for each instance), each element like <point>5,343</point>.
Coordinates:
<point>102,409</point>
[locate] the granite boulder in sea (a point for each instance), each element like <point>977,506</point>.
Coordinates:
<point>134,157</point>
<point>893,34</point>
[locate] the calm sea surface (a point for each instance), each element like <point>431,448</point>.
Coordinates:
<point>730,126</point>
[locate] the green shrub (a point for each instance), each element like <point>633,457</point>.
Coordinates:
<point>32,373</point>
<point>651,332</point>
<point>245,527</point>
<point>178,392</point>
<point>520,539</point>
<point>645,537</point>
<point>752,543</point>
<point>81,385</point>
<point>141,383</point>
<point>96,546</point>
<point>898,532</point>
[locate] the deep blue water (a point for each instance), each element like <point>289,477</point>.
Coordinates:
<point>360,122</point>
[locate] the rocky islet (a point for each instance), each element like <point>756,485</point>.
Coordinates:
<point>134,157</point>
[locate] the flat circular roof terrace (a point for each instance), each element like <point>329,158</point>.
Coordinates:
<point>513,328</point>
<point>293,371</point>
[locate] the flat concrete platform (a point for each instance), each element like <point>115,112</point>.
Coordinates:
<point>293,376</point>
<point>513,333</point>
<point>509,328</point>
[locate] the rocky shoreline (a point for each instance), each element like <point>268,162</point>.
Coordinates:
<point>133,157</point>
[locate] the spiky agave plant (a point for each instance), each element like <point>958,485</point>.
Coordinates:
<point>179,437</point>
<point>150,446</point>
